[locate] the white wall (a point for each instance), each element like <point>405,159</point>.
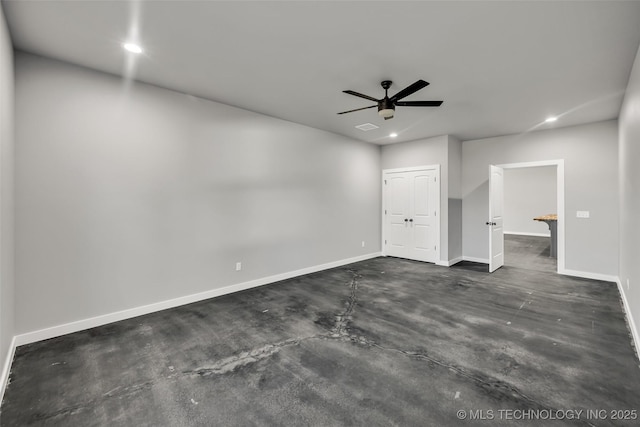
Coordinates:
<point>430,151</point>
<point>629,187</point>
<point>528,193</point>
<point>6,199</point>
<point>591,170</point>
<point>127,197</point>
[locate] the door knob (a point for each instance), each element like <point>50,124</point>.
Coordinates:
<point>405,220</point>
<point>411,220</point>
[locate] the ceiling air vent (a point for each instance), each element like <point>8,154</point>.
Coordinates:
<point>367,126</point>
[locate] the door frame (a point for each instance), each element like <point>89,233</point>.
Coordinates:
<point>559,164</point>
<point>436,168</point>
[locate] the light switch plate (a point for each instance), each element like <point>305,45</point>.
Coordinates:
<point>582,214</point>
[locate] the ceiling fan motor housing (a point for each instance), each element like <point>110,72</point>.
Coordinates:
<point>386,104</point>
<point>386,108</point>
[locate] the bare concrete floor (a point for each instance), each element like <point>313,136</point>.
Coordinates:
<point>384,342</point>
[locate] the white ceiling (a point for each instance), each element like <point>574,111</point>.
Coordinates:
<point>500,67</point>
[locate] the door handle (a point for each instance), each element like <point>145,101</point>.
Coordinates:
<point>405,220</point>
<point>491,223</point>
<point>411,220</point>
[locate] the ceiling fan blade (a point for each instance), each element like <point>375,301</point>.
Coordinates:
<point>409,90</point>
<point>418,103</point>
<point>370,98</point>
<point>358,109</point>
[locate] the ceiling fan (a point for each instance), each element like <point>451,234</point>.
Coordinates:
<point>387,106</point>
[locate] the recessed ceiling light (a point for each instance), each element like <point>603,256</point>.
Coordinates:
<point>393,135</point>
<point>132,47</point>
<point>551,119</point>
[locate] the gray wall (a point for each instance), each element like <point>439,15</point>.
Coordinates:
<point>528,193</point>
<point>455,199</point>
<point>430,151</point>
<point>591,170</point>
<point>422,152</point>
<point>128,195</point>
<point>6,191</point>
<point>629,187</point>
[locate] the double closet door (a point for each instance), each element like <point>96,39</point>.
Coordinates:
<point>411,213</point>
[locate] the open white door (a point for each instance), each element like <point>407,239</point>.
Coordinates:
<point>496,207</point>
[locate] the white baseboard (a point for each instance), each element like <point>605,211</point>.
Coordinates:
<point>6,368</point>
<point>450,262</point>
<point>518,233</point>
<point>630,321</point>
<point>587,275</point>
<point>474,259</point>
<point>80,325</point>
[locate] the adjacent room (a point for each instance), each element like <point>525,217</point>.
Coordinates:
<point>319,213</point>
<point>530,197</point>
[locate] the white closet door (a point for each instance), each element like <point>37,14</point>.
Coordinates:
<point>422,222</point>
<point>397,199</point>
<point>411,214</point>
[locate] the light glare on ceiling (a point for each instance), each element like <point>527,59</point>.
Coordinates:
<point>393,135</point>
<point>132,47</point>
<point>551,119</point>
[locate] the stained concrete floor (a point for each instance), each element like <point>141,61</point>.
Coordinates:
<point>530,252</point>
<point>383,342</point>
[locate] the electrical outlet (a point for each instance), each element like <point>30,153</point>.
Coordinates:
<point>582,214</point>
<point>363,243</point>
<point>238,266</point>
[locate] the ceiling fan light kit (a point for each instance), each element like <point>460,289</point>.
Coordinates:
<point>387,113</point>
<point>387,106</point>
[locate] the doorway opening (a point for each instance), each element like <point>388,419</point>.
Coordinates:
<point>522,192</point>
